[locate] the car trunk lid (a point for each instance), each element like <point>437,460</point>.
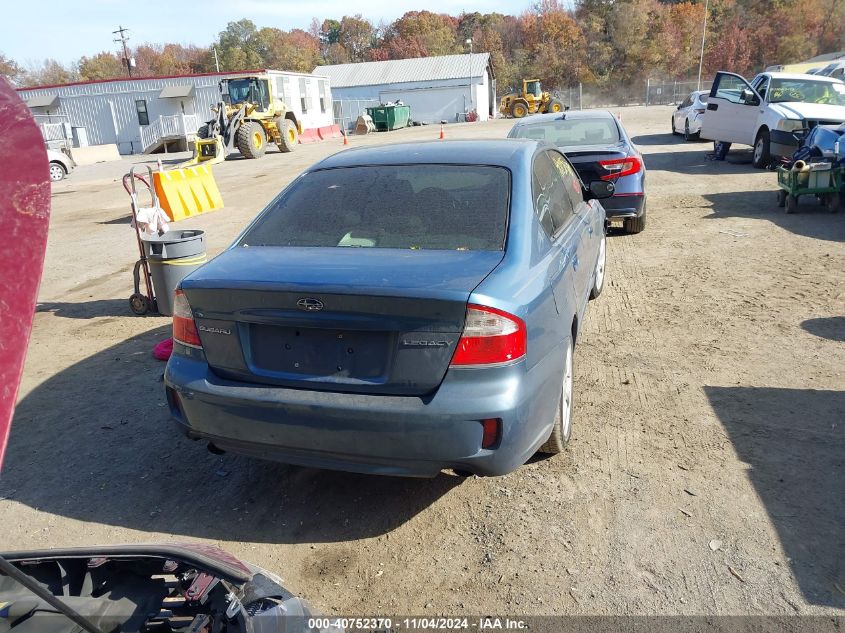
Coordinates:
<point>337,319</point>
<point>586,159</point>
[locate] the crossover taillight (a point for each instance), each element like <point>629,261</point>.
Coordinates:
<point>184,327</point>
<point>619,167</point>
<point>699,110</point>
<point>490,337</point>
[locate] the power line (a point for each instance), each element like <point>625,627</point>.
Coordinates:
<point>122,38</point>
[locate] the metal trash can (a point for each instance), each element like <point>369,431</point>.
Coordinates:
<point>172,257</point>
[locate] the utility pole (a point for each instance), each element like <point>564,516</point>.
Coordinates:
<point>216,61</point>
<point>122,38</point>
<point>703,34</point>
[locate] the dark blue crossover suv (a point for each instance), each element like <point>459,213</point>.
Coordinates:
<point>397,310</point>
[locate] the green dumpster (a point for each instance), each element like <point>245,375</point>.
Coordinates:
<point>390,117</point>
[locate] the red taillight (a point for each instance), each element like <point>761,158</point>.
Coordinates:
<point>491,431</point>
<point>490,337</point>
<point>699,110</point>
<point>184,328</point>
<point>619,167</point>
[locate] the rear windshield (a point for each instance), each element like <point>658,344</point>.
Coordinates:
<point>442,207</point>
<point>569,132</point>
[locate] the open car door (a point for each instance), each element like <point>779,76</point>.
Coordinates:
<point>732,110</point>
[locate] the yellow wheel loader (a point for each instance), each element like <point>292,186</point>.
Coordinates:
<point>247,117</point>
<point>531,100</point>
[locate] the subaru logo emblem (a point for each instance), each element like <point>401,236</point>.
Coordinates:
<point>310,305</point>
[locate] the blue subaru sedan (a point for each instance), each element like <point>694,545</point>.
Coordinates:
<point>397,310</point>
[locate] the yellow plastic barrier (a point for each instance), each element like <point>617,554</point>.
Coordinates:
<point>183,193</point>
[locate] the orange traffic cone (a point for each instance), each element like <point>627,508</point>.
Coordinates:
<point>442,135</point>
<point>345,140</point>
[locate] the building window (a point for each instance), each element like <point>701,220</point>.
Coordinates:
<point>321,87</point>
<point>143,115</point>
<point>303,95</point>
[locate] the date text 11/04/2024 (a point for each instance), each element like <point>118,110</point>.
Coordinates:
<point>418,624</point>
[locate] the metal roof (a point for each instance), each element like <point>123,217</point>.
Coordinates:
<point>396,71</point>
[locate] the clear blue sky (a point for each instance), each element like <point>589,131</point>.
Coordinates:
<point>67,29</point>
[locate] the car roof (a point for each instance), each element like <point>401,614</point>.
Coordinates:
<point>568,115</point>
<point>800,76</point>
<point>504,152</point>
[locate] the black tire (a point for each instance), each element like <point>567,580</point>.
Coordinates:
<point>781,198</point>
<point>600,272</point>
<point>762,157</point>
<point>203,131</point>
<point>251,140</point>
<point>687,136</point>
<point>790,204</point>
<point>554,105</point>
<point>57,171</point>
<point>519,109</point>
<point>139,304</point>
<point>289,134</point>
<point>635,225</point>
<point>562,427</point>
<point>831,202</point>
<point>674,131</point>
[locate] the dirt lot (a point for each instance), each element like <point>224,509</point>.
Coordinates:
<point>706,472</point>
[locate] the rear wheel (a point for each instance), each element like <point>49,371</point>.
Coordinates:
<point>635,225</point>
<point>781,198</point>
<point>289,134</point>
<point>203,131</point>
<point>562,429</point>
<point>791,204</point>
<point>251,140</point>
<point>831,202</point>
<point>762,156</point>
<point>688,136</point>
<point>519,109</point>
<point>598,276</point>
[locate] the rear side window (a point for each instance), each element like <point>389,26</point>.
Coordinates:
<point>571,181</point>
<point>569,132</point>
<point>702,98</point>
<point>552,203</point>
<point>429,207</point>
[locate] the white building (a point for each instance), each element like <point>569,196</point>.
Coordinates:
<point>437,89</point>
<point>146,114</point>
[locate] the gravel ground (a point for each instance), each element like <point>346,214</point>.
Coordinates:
<point>705,475</point>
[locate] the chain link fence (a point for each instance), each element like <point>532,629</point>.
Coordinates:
<point>347,111</point>
<point>648,92</point>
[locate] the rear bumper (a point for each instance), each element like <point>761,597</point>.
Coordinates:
<point>386,435</point>
<point>624,206</point>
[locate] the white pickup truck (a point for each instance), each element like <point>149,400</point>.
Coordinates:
<point>767,112</point>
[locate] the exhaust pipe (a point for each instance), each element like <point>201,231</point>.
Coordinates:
<point>215,450</point>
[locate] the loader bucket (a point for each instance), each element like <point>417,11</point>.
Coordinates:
<point>207,151</point>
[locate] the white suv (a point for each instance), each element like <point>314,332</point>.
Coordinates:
<point>767,112</point>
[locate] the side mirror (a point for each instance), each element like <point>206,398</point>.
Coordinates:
<point>600,189</point>
<point>748,97</point>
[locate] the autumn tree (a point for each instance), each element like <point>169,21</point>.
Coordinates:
<point>10,69</point>
<point>357,36</point>
<point>238,46</point>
